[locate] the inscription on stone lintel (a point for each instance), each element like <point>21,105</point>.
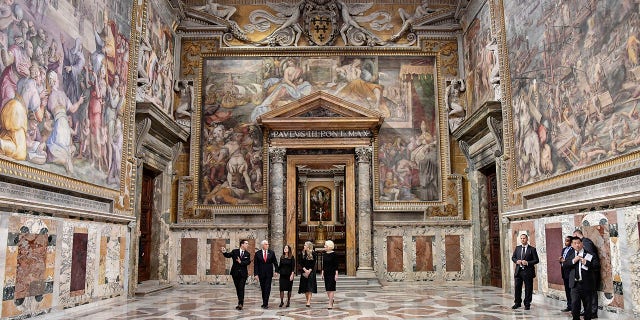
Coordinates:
<point>14,191</point>
<point>321,134</point>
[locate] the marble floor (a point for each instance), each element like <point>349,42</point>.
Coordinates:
<point>393,301</point>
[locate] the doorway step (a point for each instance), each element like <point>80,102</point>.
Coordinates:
<point>151,286</point>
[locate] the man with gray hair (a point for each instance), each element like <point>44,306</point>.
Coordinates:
<point>265,262</point>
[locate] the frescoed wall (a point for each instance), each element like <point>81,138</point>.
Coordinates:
<point>63,86</point>
<point>156,57</point>
<point>574,82</point>
<point>237,91</point>
<point>479,60</point>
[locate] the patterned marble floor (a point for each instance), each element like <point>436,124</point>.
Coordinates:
<point>393,301</point>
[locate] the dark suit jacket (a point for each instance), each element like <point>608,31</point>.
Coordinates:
<point>565,271</point>
<point>588,276</point>
<point>531,256</point>
<point>239,269</point>
<point>262,268</point>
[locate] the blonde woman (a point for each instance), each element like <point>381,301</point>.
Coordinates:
<point>308,284</point>
<point>330,271</point>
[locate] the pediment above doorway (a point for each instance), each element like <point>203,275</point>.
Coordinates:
<point>321,111</point>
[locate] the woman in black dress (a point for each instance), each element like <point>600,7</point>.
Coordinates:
<point>330,271</point>
<point>287,273</point>
<point>308,284</point>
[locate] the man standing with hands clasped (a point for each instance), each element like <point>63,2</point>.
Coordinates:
<point>581,278</point>
<point>241,259</point>
<point>265,261</point>
<point>525,257</point>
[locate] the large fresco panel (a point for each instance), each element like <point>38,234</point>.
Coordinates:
<point>236,91</point>
<point>63,86</point>
<point>156,57</point>
<point>575,83</point>
<point>479,60</point>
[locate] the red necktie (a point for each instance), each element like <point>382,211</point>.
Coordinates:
<point>265,256</point>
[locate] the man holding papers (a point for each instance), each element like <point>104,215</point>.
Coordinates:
<point>581,278</point>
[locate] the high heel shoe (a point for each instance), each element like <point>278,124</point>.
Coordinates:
<point>330,304</point>
<point>287,305</point>
<point>281,304</point>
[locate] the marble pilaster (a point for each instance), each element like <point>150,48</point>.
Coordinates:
<point>277,157</point>
<point>365,266</point>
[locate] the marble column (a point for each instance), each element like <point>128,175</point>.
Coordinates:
<point>276,181</point>
<point>365,265</point>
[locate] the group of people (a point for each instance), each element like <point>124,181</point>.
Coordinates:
<point>580,265</point>
<point>266,265</point>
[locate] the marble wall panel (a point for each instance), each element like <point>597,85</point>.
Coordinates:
<point>424,253</point>
<point>31,279</point>
<point>554,239</point>
<point>452,253</point>
<point>394,254</point>
<point>211,239</point>
<point>218,261</point>
<point>79,262</point>
<point>434,236</point>
<point>103,260</point>
<point>39,273</point>
<point>189,256</point>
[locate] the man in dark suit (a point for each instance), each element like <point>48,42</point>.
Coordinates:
<point>265,262</point>
<point>241,259</point>
<point>581,278</point>
<point>567,250</point>
<point>525,257</point>
<point>591,248</point>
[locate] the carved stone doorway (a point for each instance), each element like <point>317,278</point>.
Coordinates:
<point>301,225</point>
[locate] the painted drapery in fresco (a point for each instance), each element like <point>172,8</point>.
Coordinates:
<point>156,59</point>
<point>236,91</point>
<point>575,81</point>
<point>63,86</point>
<point>479,60</point>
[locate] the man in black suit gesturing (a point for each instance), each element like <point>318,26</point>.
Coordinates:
<point>265,261</point>
<point>525,257</point>
<point>241,259</point>
<point>566,251</point>
<point>582,278</point>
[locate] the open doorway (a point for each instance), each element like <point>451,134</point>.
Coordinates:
<point>321,210</point>
<point>146,223</point>
<point>494,226</point>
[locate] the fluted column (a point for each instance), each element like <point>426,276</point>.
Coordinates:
<point>277,156</point>
<point>365,266</point>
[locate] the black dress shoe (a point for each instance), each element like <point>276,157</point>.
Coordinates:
<point>527,307</point>
<point>265,307</point>
<point>566,309</point>
<point>281,304</point>
<point>515,306</point>
<point>238,307</point>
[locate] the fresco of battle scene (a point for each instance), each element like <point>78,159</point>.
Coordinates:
<point>575,81</point>
<point>63,85</point>
<point>156,59</point>
<point>479,61</point>
<point>237,91</point>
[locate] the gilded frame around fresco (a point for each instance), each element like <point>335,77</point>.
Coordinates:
<point>120,198</point>
<point>515,193</point>
<point>442,50</point>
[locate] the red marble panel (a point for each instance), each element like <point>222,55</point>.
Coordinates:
<point>424,254</point>
<point>102,269</point>
<point>452,252</point>
<point>555,244</point>
<point>252,250</point>
<point>189,256</point>
<point>79,261</point>
<point>30,277</point>
<point>394,254</point>
<point>218,261</point>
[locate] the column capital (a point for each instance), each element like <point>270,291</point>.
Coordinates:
<point>363,154</point>
<point>277,154</point>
